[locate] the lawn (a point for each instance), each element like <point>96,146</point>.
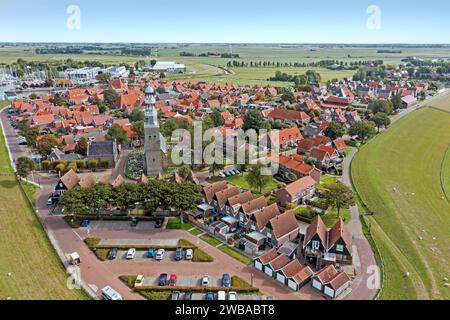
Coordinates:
<point>212,241</point>
<point>26,252</point>
<point>445,176</point>
<point>331,217</point>
<point>398,177</point>
<point>325,180</point>
<point>175,223</point>
<point>239,181</point>
<point>235,254</point>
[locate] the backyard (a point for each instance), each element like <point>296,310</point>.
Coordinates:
<point>239,181</point>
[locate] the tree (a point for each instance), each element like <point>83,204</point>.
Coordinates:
<point>254,120</point>
<point>383,106</point>
<point>362,129</point>
<point>103,78</point>
<point>255,178</point>
<point>110,96</point>
<point>137,115</point>
<point>339,196</point>
<point>115,132</point>
<point>217,118</point>
<point>214,167</point>
<point>381,119</point>
<point>47,143</point>
<point>82,146</point>
<point>138,128</point>
<point>334,130</point>
<point>396,101</point>
<point>24,166</point>
<point>184,171</point>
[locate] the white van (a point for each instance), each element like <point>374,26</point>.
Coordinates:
<point>131,253</point>
<point>221,295</point>
<point>109,293</point>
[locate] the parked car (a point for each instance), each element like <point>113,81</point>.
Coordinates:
<point>134,222</point>
<point>232,295</point>
<point>160,254</point>
<point>226,280</point>
<point>237,171</point>
<point>173,280</point>
<point>231,173</point>
<point>131,253</point>
<point>109,293</point>
<point>188,295</point>
<point>179,254</point>
<point>189,254</point>
<point>112,254</point>
<point>139,281</point>
<point>50,200</point>
<point>151,253</point>
<point>162,280</point>
<point>221,295</point>
<point>158,223</point>
<point>210,296</point>
<point>85,223</point>
<point>222,175</point>
<point>227,174</point>
<point>205,281</point>
<point>175,295</point>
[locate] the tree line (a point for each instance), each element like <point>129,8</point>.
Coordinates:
<point>150,196</point>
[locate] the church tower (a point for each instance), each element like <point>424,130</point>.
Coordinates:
<point>155,144</point>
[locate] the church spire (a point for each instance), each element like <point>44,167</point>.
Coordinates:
<point>151,114</point>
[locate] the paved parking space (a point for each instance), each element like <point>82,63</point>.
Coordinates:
<point>121,225</point>
<point>140,242</point>
<point>141,255</point>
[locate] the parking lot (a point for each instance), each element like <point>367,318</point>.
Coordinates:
<point>185,281</point>
<point>141,256</point>
<point>122,225</point>
<point>202,296</point>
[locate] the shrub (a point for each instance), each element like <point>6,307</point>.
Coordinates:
<point>238,282</point>
<point>93,164</point>
<point>92,242</point>
<point>81,164</point>
<point>128,280</point>
<point>201,256</point>
<point>105,164</point>
<point>46,165</point>
<point>60,167</point>
<point>72,166</point>
<point>58,162</point>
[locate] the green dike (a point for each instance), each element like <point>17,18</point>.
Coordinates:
<point>398,177</point>
<point>26,253</point>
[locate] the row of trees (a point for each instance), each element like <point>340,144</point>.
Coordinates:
<point>318,64</point>
<point>150,196</point>
<point>309,77</point>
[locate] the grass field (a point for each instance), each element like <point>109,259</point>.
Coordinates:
<point>442,103</point>
<point>26,253</point>
<point>398,176</point>
<point>207,68</point>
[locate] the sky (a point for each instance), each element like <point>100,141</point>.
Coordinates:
<point>225,21</point>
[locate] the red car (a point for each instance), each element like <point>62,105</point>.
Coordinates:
<point>173,280</point>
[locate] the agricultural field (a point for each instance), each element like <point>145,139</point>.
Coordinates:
<point>399,176</point>
<point>29,266</point>
<point>210,68</point>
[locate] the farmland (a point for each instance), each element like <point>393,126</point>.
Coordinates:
<point>209,68</point>
<point>398,176</point>
<point>29,267</point>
